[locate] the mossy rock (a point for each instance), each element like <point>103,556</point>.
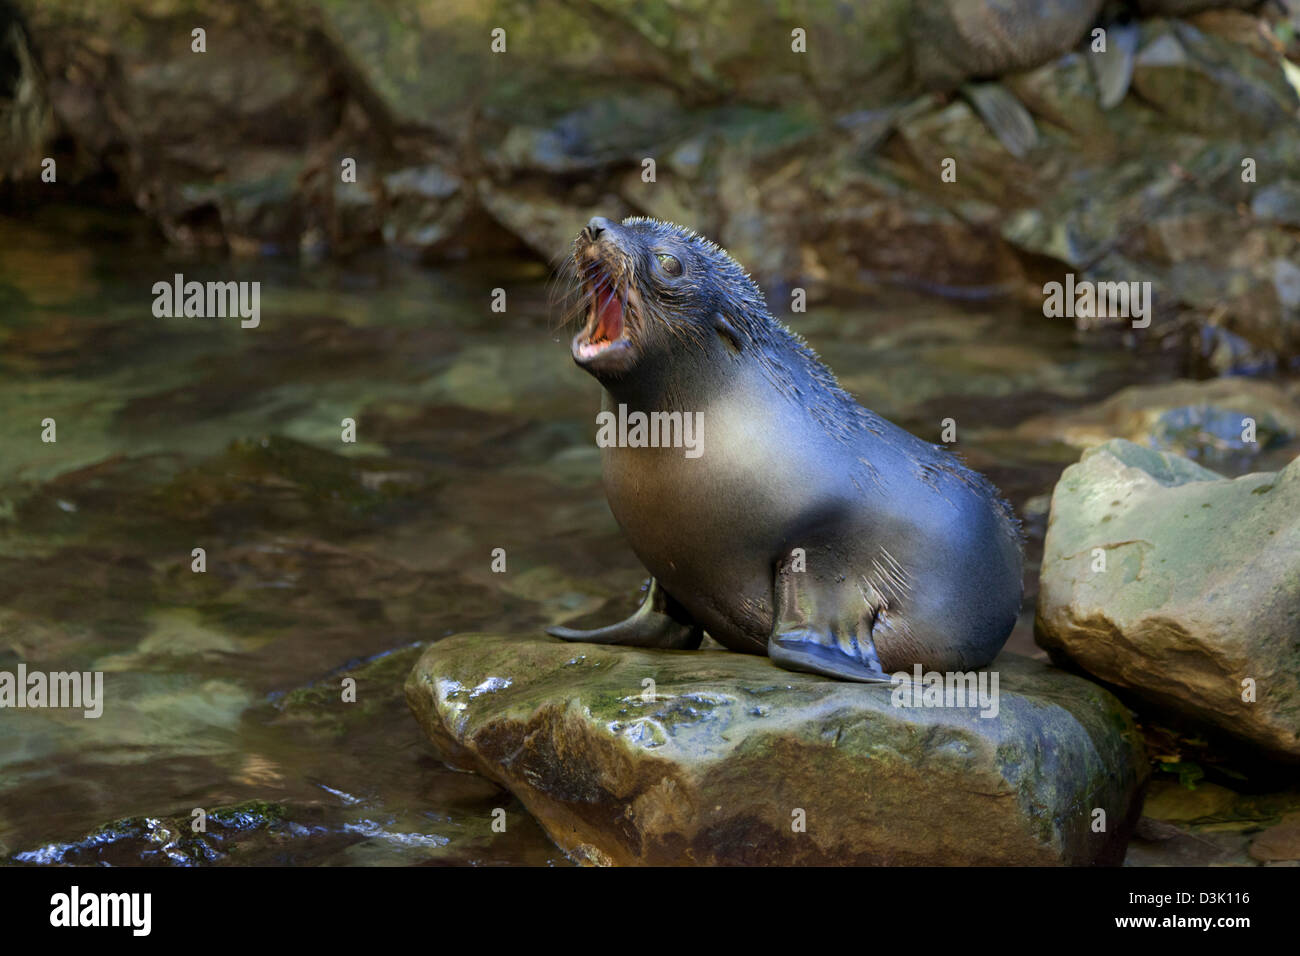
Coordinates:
<point>721,758</point>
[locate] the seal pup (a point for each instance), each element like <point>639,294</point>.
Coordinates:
<point>806,528</point>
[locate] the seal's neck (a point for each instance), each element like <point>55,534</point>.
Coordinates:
<point>687,379</point>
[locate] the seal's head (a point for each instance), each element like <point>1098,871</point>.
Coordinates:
<point>652,288</point>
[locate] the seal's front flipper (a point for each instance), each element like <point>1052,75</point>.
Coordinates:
<point>824,626</point>
<point>659,622</point>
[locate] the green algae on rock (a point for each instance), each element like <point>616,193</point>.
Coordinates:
<point>1196,606</point>
<point>723,756</point>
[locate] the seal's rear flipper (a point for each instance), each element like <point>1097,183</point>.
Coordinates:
<point>659,622</point>
<point>824,627</point>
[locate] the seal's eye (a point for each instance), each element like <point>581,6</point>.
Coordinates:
<point>669,264</point>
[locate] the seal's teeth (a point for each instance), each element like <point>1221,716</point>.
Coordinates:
<point>588,350</point>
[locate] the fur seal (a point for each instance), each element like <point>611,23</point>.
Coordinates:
<point>808,528</point>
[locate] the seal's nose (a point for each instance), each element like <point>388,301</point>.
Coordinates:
<point>595,227</point>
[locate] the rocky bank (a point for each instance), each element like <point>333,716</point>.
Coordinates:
<point>1171,157</point>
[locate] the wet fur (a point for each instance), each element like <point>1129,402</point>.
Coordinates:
<point>925,555</point>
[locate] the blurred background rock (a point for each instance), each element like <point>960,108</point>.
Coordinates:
<point>818,170</point>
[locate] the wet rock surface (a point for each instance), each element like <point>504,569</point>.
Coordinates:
<point>1181,587</point>
<point>721,757</point>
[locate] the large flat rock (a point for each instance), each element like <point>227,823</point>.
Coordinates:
<point>1164,578</point>
<point>719,759</point>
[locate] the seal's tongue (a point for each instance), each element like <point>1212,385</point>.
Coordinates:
<point>609,319</point>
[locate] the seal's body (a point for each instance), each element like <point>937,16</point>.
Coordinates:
<point>807,528</point>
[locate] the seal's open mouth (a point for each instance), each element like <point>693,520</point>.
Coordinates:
<point>605,324</point>
<point>604,339</point>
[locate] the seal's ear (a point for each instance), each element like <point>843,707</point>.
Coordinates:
<point>726,332</point>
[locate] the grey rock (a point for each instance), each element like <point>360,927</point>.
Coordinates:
<point>1196,608</point>
<point>715,760</point>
